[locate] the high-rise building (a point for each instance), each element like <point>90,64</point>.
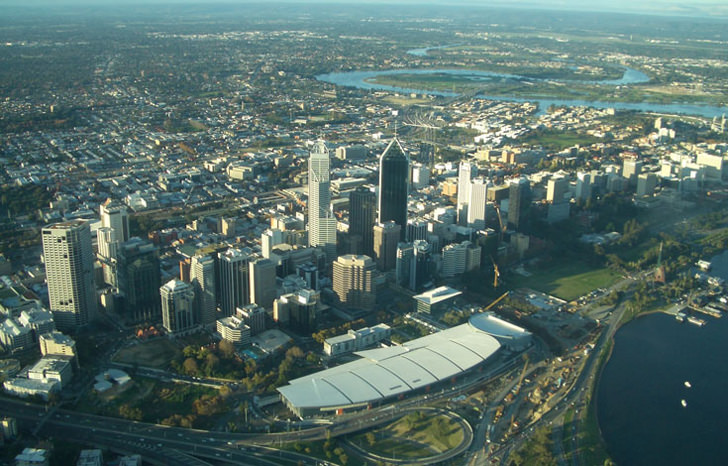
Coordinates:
<point>416,229</point>
<point>583,186</point>
<point>202,278</point>
<point>253,316</point>
<point>178,307</point>
<point>69,265</point>
<point>321,220</point>
<point>139,279</point>
<point>234,283</point>
<point>362,218</point>
<point>394,186</point>
<point>353,281</point>
<point>556,188</point>
<point>466,170</point>
<point>386,237</point>
<point>262,282</point>
<point>405,256</point>
<point>421,267</point>
<point>113,232</point>
<point>298,310</point>
<point>519,202</point>
<point>477,203</point>
<point>310,275</point>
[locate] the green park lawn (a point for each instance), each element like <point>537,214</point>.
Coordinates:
<point>567,281</point>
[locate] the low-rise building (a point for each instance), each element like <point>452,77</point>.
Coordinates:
<point>356,340</point>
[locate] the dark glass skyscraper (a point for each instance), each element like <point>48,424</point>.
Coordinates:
<point>394,186</point>
<point>362,218</point>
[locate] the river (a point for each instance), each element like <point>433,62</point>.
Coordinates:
<point>362,80</point>
<point>639,396</point>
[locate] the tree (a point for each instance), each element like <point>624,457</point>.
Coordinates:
<point>190,366</point>
<point>226,348</point>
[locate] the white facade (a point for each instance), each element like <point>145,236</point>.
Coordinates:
<point>465,172</point>
<point>477,203</point>
<point>234,330</point>
<point>356,340</point>
<point>69,263</point>
<point>321,220</point>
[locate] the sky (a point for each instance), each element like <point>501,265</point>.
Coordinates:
<point>715,8</point>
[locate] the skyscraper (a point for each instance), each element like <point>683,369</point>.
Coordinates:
<point>321,220</point>
<point>465,172</point>
<point>178,307</point>
<point>477,203</point>
<point>202,277</point>
<point>262,282</point>
<point>393,186</point>
<point>362,218</point>
<point>234,283</point>
<point>113,232</point>
<point>519,201</point>
<point>139,280</point>
<point>69,264</point>
<point>353,281</point>
<point>386,238</point>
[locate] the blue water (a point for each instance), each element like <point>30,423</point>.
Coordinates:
<point>638,399</point>
<point>359,79</point>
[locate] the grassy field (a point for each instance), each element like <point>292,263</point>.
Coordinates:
<point>416,435</point>
<point>566,281</point>
<point>155,353</point>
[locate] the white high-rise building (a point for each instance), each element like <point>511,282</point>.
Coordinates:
<point>69,264</point>
<point>466,170</point>
<point>477,203</point>
<point>321,220</point>
<point>202,276</point>
<point>113,232</point>
<point>178,307</point>
<point>263,282</point>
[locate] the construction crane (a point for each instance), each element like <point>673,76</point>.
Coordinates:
<point>487,308</point>
<point>659,276</point>
<point>496,273</point>
<point>502,227</point>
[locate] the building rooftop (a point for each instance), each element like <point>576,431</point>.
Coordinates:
<point>437,295</point>
<point>387,372</point>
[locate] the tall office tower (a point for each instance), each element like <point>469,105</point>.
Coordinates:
<point>114,216</point>
<point>519,201</point>
<point>69,265</point>
<point>262,282</point>
<point>405,256</point>
<point>466,170</point>
<point>310,275</point>
<point>416,229</point>
<point>631,168</point>
<point>477,203</point>
<point>583,186</point>
<point>269,239</point>
<point>234,284</point>
<point>393,186</point>
<point>139,280</point>
<point>353,281</point>
<point>422,265</point>
<point>556,188</point>
<point>362,218</point>
<point>202,278</point>
<point>178,307</point>
<point>297,310</point>
<point>321,220</point>
<point>253,316</point>
<point>114,231</point>
<point>386,238</point>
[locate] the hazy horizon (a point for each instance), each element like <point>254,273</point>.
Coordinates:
<point>704,8</point>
